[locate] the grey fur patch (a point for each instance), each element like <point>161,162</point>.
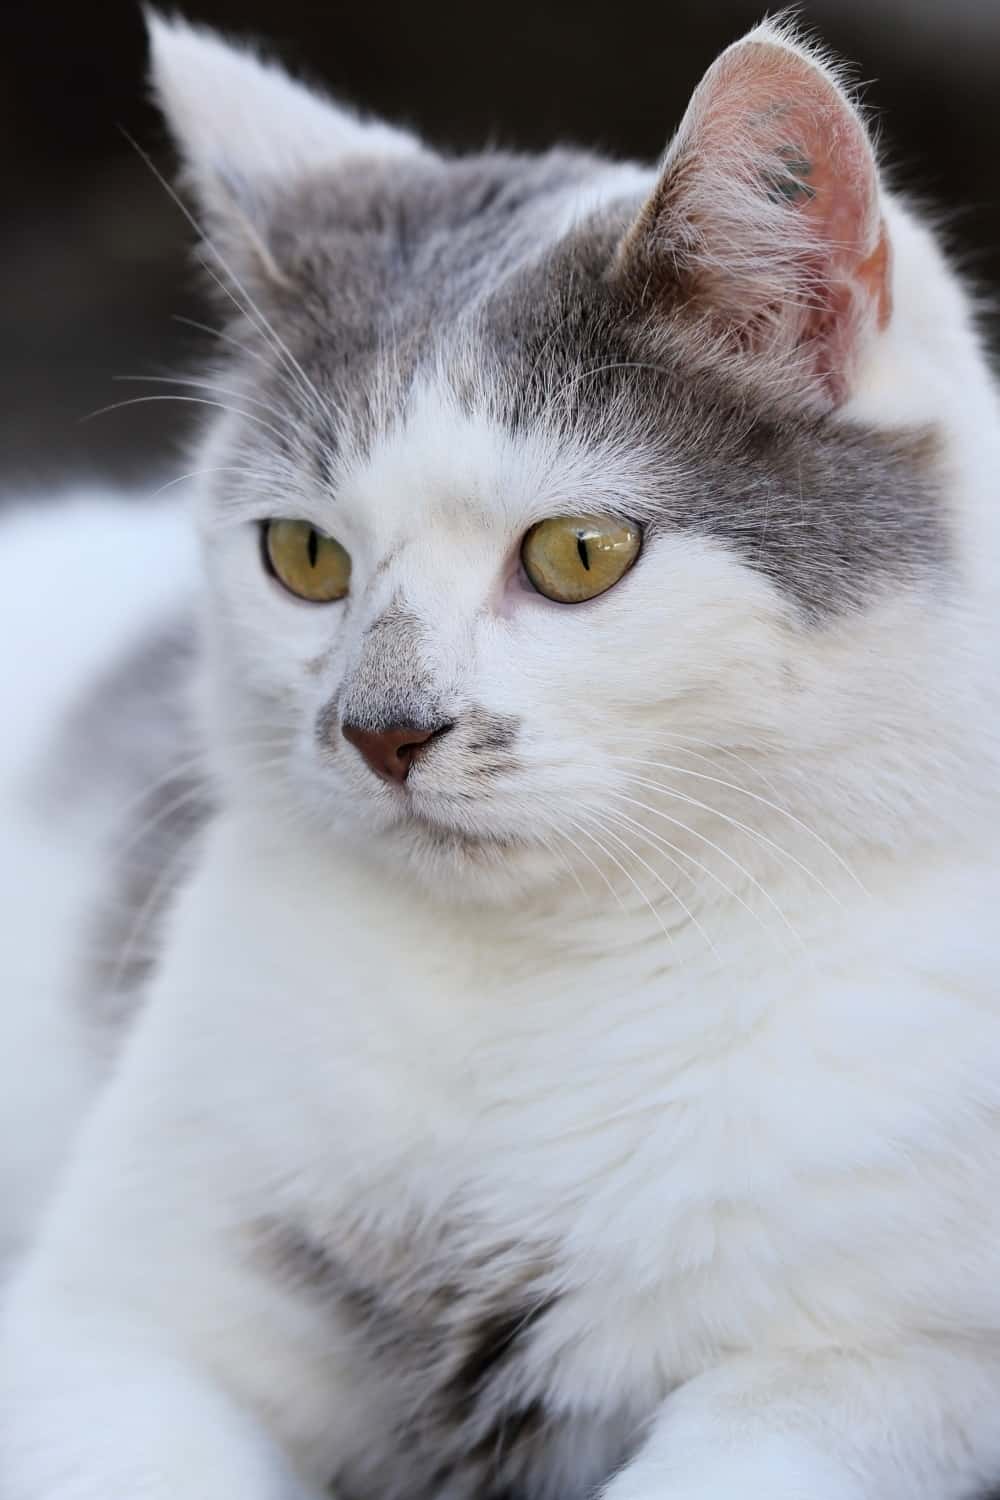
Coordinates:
<point>452,266</point>
<point>379,260</point>
<point>444,1334</point>
<point>830,511</point>
<point>390,685</point>
<point>131,743</point>
<point>493,732</point>
<point>489,740</point>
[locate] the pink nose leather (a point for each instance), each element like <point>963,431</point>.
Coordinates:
<point>389,752</point>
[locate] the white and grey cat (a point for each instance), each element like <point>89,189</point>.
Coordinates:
<point>553,889</point>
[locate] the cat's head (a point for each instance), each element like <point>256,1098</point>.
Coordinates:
<point>543,485</point>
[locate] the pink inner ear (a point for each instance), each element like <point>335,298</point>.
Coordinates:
<point>799,115</point>
<point>835,189</point>
<point>772,187</point>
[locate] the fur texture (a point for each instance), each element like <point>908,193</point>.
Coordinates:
<point>616,1104</point>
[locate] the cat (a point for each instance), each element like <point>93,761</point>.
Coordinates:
<point>500,962</point>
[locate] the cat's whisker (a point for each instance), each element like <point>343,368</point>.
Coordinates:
<point>588,374</point>
<point>635,364</point>
<point>289,381</point>
<point>271,761</point>
<point>304,388</point>
<point>177,771</point>
<point>396,364</point>
<point>157,893</point>
<point>308,395</point>
<point>193,400</point>
<point>603,822</point>
<point>755,797</point>
<point>683,740</point>
<point>545,347</point>
<point>222,336</point>
<point>563,859</point>
<point>194,383</point>
<point>201,473</point>
<point>705,869</point>
<point>657,916</point>
<point>190,795</point>
<point>746,828</point>
<point>252,502</point>
<point>593,863</point>
<point>249,308</point>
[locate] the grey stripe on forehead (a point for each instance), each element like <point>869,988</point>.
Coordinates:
<point>834,518</point>
<point>384,258</point>
<point>443,266</point>
<point>831,512</point>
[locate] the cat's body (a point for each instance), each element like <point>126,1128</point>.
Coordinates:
<point>619,1095</point>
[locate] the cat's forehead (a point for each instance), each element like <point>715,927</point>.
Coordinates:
<point>492,269</point>
<point>436,231</point>
<point>470,355</point>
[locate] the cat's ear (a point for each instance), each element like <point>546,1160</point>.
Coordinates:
<point>246,129</point>
<point>765,227</point>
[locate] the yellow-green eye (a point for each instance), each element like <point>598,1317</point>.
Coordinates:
<point>309,563</point>
<point>573,558</point>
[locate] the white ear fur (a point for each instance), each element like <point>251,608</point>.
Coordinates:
<point>766,222</point>
<point>241,122</point>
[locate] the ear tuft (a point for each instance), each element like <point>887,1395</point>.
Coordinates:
<point>766,222</point>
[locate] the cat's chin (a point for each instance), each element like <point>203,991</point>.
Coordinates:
<point>462,863</point>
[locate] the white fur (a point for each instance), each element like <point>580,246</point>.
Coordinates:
<point>762,1128</point>
<point>245,119</point>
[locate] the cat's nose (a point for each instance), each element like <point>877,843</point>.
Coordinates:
<point>391,752</point>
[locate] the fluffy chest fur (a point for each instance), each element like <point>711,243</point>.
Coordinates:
<point>454,1338</point>
<point>521,1270</point>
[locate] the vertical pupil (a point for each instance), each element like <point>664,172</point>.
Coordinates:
<point>581,547</point>
<point>313,547</point>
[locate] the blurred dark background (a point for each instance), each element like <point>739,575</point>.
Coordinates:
<point>93,264</point>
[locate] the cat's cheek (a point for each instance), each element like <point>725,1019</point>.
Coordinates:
<point>275,658</point>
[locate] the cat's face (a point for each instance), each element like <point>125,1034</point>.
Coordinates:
<point>519,502</point>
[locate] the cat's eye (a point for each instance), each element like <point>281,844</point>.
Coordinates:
<point>309,563</point>
<point>573,558</point>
